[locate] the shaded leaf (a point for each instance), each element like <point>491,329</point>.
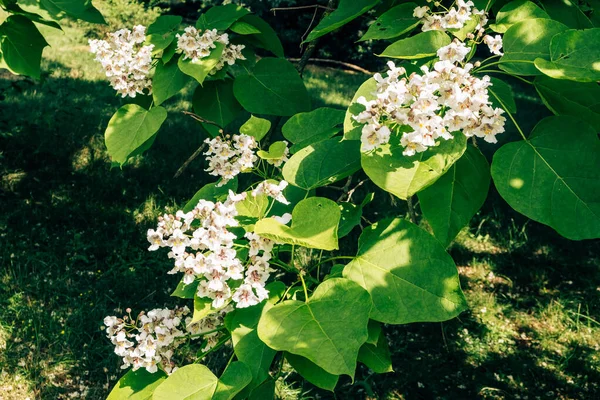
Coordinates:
<point>168,81</point>
<point>346,11</point>
<point>393,23</point>
<point>312,372</point>
<point>137,385</point>
<point>22,46</point>
<point>516,11</point>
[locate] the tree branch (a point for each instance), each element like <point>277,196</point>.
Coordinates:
<point>189,161</point>
<point>313,44</point>
<point>411,211</point>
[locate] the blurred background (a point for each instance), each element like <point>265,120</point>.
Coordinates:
<point>73,243</point>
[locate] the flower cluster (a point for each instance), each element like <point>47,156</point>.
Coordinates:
<point>212,260</point>
<point>431,105</point>
<point>125,60</point>
<point>196,45</point>
<point>452,18</point>
<point>227,157</point>
<point>148,340</point>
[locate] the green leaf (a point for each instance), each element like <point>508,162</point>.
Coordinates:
<point>273,87</point>
<point>312,372</point>
<point>21,46</point>
<point>14,8</point>
<point>468,27</point>
<point>571,98</point>
<point>256,127</point>
<point>516,11</point>
<point>235,378</point>
<point>346,11</point>
<point>215,102</point>
<point>322,163</point>
<point>168,81</point>
<point>267,39</point>
<point>328,328</point>
<point>276,151</point>
<point>193,381</point>
<point>574,55</point>
<point>311,127</point>
<point>248,348</point>
<point>83,9</point>
<point>351,215</point>
<point>377,356</point>
<point>129,128</point>
<point>253,207</point>
<point>244,28</point>
<point>186,291</point>
<point>504,92</point>
<point>374,332</point>
<point>567,12</point>
<point>266,391</point>
<point>211,192</point>
<point>525,41</point>
<point>293,195</point>
<point>161,32</point>
<point>221,17</point>
<point>137,385</point>
<point>451,202</point>
<point>553,176</point>
<point>314,225</point>
<point>200,69</point>
<point>404,176</point>
<point>408,273</point>
<point>352,129</point>
<point>202,308</point>
<point>393,23</point>
<point>424,44</point>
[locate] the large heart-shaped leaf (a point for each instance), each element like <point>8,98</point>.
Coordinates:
<point>199,69</point>
<point>553,177</point>
<point>215,102</point>
<point>267,38</point>
<point>161,33</point>
<point>574,55</point>
<point>197,382</point>
<point>129,128</point>
<point>346,11</point>
<point>451,202</point>
<point>527,40</point>
<point>311,127</point>
<point>314,224</point>
<point>377,356</point>
<point>273,87</point>
<point>221,17</point>
<point>21,46</point>
<point>516,11</point>
<point>328,328</point>
<point>393,23</point>
<point>322,163</point>
<point>424,44</point>
<point>137,385</point>
<point>81,9</point>
<point>569,13</point>
<point>408,273</point>
<point>404,176</point>
<point>168,81</point>
<point>571,98</point>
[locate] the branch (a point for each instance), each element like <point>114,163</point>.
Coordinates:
<point>203,120</point>
<point>336,62</point>
<point>189,161</point>
<point>411,211</point>
<point>313,44</point>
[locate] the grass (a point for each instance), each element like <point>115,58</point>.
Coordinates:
<point>73,250</point>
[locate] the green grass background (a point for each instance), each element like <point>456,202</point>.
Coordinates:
<point>73,249</point>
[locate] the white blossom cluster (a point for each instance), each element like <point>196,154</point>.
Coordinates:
<point>431,105</point>
<point>148,340</point>
<point>227,157</point>
<point>126,61</point>
<point>196,45</point>
<point>456,18</point>
<point>203,249</point>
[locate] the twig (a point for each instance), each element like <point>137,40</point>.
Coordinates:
<point>300,8</point>
<point>310,49</point>
<point>201,119</point>
<point>411,211</point>
<point>345,188</point>
<point>351,191</point>
<point>189,160</point>
<point>336,62</point>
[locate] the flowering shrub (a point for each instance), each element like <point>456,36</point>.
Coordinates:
<point>413,129</point>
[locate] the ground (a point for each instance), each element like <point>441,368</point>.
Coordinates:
<point>73,250</point>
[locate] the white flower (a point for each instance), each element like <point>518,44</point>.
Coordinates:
<point>420,12</point>
<point>494,44</point>
<point>454,52</point>
<point>227,158</point>
<point>284,219</point>
<point>244,296</point>
<point>272,190</point>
